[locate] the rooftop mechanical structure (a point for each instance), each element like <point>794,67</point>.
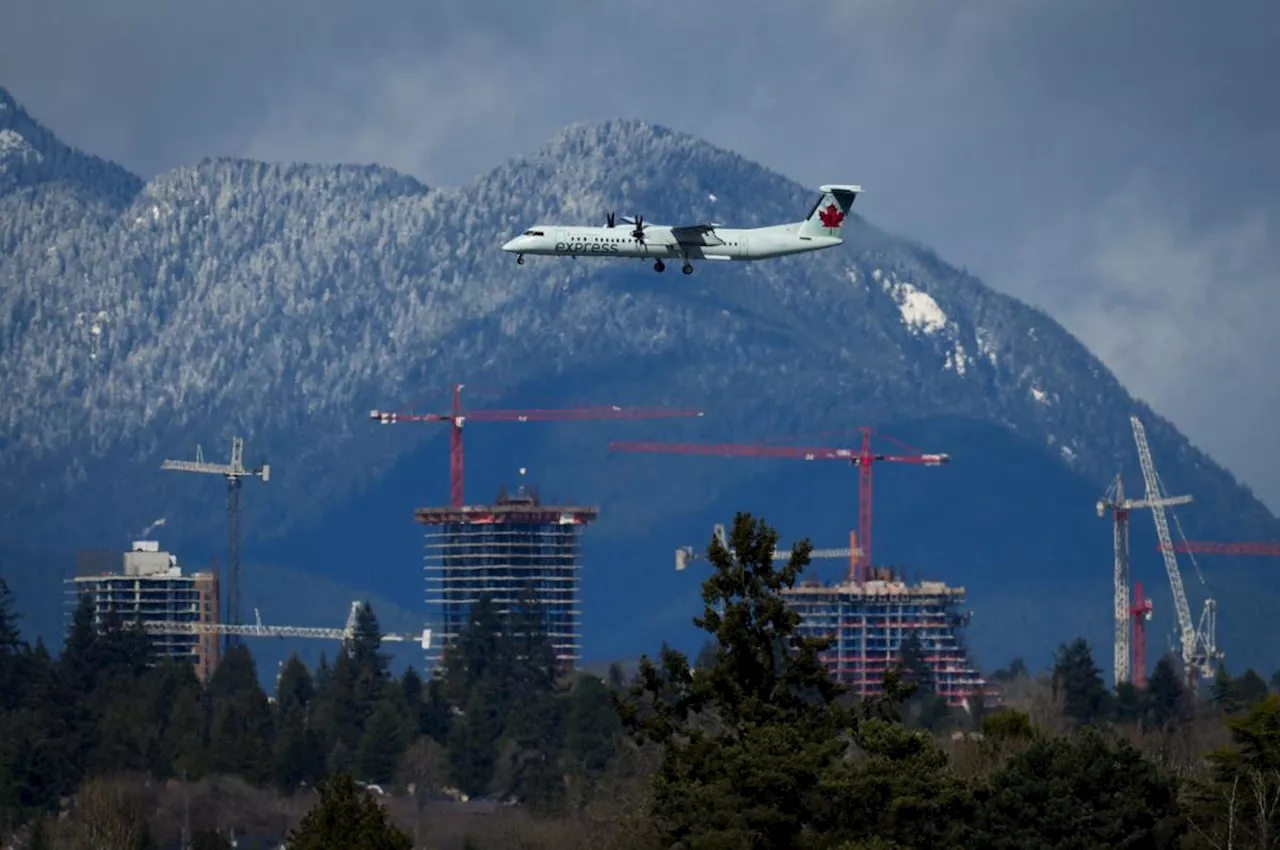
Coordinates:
<point>514,549</point>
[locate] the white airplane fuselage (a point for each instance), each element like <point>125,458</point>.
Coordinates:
<point>822,227</point>
<point>755,243</point>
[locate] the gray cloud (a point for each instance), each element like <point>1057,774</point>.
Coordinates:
<point>1112,163</point>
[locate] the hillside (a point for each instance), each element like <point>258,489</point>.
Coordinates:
<point>281,302</point>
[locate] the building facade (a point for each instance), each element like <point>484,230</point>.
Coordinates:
<point>869,621</point>
<point>149,585</point>
<point>514,549</point>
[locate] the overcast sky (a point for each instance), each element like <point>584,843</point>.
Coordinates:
<point>1113,163</point>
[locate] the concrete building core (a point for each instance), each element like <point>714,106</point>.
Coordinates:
<point>148,585</point>
<point>512,548</point>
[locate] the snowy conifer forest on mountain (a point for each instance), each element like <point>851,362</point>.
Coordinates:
<point>281,302</point>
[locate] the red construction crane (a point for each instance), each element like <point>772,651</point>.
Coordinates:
<point>862,458</point>
<point>1203,548</point>
<point>1139,613</point>
<point>456,417</point>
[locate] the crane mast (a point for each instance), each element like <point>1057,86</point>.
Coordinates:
<point>1127,657</point>
<point>234,472</point>
<point>1186,629</point>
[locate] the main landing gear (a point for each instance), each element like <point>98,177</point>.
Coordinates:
<point>659,266</point>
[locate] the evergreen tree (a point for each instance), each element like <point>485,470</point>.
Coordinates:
<point>382,744</point>
<point>1222,691</point>
<point>295,690</point>
<point>299,751</point>
<point>437,713</point>
<point>1078,681</point>
<point>240,733</point>
<point>1078,791</point>
<point>1251,688</point>
<point>593,732</point>
<point>924,709</point>
<point>347,816</point>
<point>1130,703</point>
<point>1237,806</point>
<point>12,651</point>
<point>745,743</point>
<point>1166,698</point>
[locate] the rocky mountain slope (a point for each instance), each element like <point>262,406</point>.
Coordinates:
<point>281,302</point>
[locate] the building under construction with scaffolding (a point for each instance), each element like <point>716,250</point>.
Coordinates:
<point>868,622</point>
<point>514,549</point>
<point>148,586</point>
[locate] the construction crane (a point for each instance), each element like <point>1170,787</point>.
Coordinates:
<point>1139,613</point>
<point>1198,644</point>
<point>344,634</point>
<point>1271,548</point>
<point>1120,507</point>
<point>456,417</point>
<point>234,472</point>
<point>687,553</point>
<point>862,458</point>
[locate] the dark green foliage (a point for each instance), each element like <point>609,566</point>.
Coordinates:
<point>382,744</point>
<point>1078,682</point>
<point>208,839</point>
<point>1236,806</point>
<point>748,740</point>
<point>755,745</point>
<point>1166,697</point>
<point>1081,792</point>
<point>347,816</point>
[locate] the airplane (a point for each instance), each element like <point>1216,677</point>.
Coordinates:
<point>820,228</point>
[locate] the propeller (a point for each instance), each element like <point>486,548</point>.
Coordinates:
<point>609,220</point>
<point>638,233</point>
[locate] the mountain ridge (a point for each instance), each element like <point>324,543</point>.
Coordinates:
<point>282,301</point>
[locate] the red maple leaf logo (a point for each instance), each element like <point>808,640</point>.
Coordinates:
<point>831,216</point>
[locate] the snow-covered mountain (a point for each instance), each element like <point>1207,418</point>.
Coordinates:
<point>281,302</point>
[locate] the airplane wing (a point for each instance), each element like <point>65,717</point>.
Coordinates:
<point>693,232</point>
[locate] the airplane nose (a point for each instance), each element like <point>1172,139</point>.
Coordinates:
<point>510,244</point>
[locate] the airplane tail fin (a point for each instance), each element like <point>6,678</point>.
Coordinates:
<point>827,216</point>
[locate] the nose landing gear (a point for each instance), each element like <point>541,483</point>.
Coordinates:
<point>519,259</point>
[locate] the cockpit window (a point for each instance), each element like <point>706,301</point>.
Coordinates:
<point>533,233</point>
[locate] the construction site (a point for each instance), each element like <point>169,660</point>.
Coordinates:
<point>521,553</point>
<point>516,551</point>
<point>1197,640</point>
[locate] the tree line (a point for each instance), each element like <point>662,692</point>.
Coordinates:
<point>750,745</point>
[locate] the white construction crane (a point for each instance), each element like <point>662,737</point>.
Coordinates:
<point>344,634</point>
<point>1199,645</point>
<point>686,553</point>
<point>233,472</point>
<point>1120,507</point>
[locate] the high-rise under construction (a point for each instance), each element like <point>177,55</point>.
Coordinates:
<point>513,550</point>
<point>868,622</point>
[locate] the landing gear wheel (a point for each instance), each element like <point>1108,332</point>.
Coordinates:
<point>519,259</point>
<point>687,268</point>
<point>659,266</point>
